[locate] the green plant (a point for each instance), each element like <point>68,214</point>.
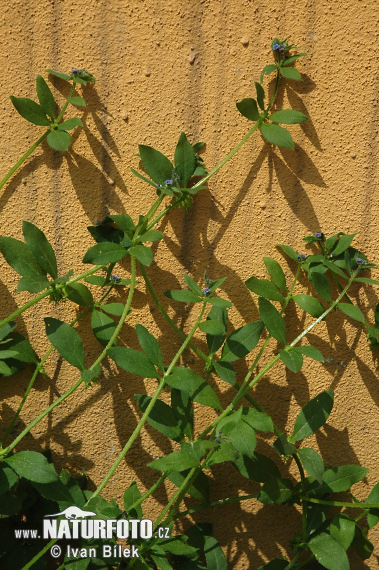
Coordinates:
<point>31,488</point>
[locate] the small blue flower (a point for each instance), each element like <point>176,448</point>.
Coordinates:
<point>176,175</point>
<point>116,278</point>
<point>275,47</point>
<point>220,431</point>
<point>318,235</point>
<point>75,70</point>
<point>217,440</point>
<point>360,261</point>
<point>168,182</point>
<point>206,290</point>
<point>301,257</point>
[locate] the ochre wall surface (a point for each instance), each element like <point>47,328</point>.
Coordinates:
<point>163,67</point>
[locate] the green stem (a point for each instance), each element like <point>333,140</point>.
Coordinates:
<point>22,159</point>
<point>218,503</point>
<point>48,291</point>
<point>58,119</point>
<point>40,553</point>
<point>145,415</point>
<point>339,503</point>
<point>303,490</point>
<point>176,498</point>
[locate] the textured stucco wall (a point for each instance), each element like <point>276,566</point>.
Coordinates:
<point>163,67</point>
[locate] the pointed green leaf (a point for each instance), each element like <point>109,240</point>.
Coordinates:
<point>221,315</point>
<point>41,248</point>
<point>33,284</point>
<point>267,70</point>
<point>265,288</point>
<point>199,488</point>
<point>45,97</point>
<point>182,295</point>
<point>19,256</point>
<point>214,555</point>
<point>218,302</point>
<point>343,243</point>
<point>77,100</point>
<point>309,304</point>
<point>192,383</point>
<point>288,117</point>
<point>176,461</point>
<point>59,74</point>
<point>30,110</point>
<point>70,124</point>
<point>150,346</point>
<point>373,516</point>
<point>142,253</point>
<point>184,160</point>
<point>290,73</point>
<point>288,251</point>
<point>312,462</point>
<point>80,294</point>
<point>58,140</point>
<point>131,495</point>
<point>161,417</point>
<point>214,328</point>
<point>328,552</point>
<point>292,359</point>
<point>352,311</point>
<point>32,466</point>
<point>182,408</point>
<point>151,235</point>
<point>66,340</point>
<point>242,341</point>
<point>104,252</point>
<point>136,173</point>
<point>276,273</point>
<point>193,285</point>
<point>293,58</point>
<point>6,329</point>
<point>342,529</point>
<point>103,326</point>
<point>132,361</point>
<point>115,309</point>
<point>155,164</point>
<point>260,95</point>
<point>311,352</point>
<point>361,544</point>
<point>277,135</point>
<point>322,286</point>
<point>339,479</point>
<point>313,416</point>
<point>276,491</point>
<point>272,320</point>
<point>248,108</point>
<point>257,420</point>
<point>226,372</point>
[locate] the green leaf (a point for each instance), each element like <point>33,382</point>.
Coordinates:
<point>123,221</point>
<point>66,340</point>
<point>193,285</point>
<point>257,420</point>
<point>242,341</point>
<point>339,479</point>
<point>59,74</point>
<point>361,544</point>
<point>33,466</point>
<point>182,408</point>
<point>192,383</point>
<point>292,359</point>
<point>176,461</point>
<point>214,328</point>
<point>367,280</point>
<point>150,346</point>
<point>214,555</point>
<point>45,97</point>
<point>184,160</point>
<point>115,309</point>
<point>33,284</point>
<point>265,288</point>
<point>131,495</point>
<point>243,438</point>
<point>277,135</point>
<point>309,304</point>
<point>328,552</point>
<point>288,117</point>
<point>276,273</point>
<point>343,243</point>
<point>221,315</point>
<point>199,488</point>
<point>132,361</point>
<point>41,249</point>
<point>30,110</point>
<point>142,253</point>
<point>7,328</point>
<point>248,108</point>
<point>276,491</point>
<point>155,164</point>
<point>290,73</point>
<point>289,60</point>
<point>79,294</point>
<point>313,416</point>
<point>90,375</point>
<point>312,462</point>
<point>225,452</point>
<point>77,100</point>
<point>95,280</point>
<point>226,372</point>
<point>58,140</point>
<point>272,320</point>
<point>342,529</point>
<point>283,446</point>
<point>352,311</point>
<point>334,268</point>
<point>288,251</point>
<point>21,345</point>
<point>260,95</point>
<point>70,124</point>
<point>103,326</point>
<point>267,70</point>
<point>322,286</point>
<point>218,302</point>
<point>373,516</point>
<point>161,417</point>
<point>7,478</point>
<point>311,352</point>
<point>258,468</point>
<point>151,235</point>
<point>136,173</point>
<point>104,252</point>
<point>182,295</point>
<point>19,256</point>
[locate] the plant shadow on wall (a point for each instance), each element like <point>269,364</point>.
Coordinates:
<point>225,412</point>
